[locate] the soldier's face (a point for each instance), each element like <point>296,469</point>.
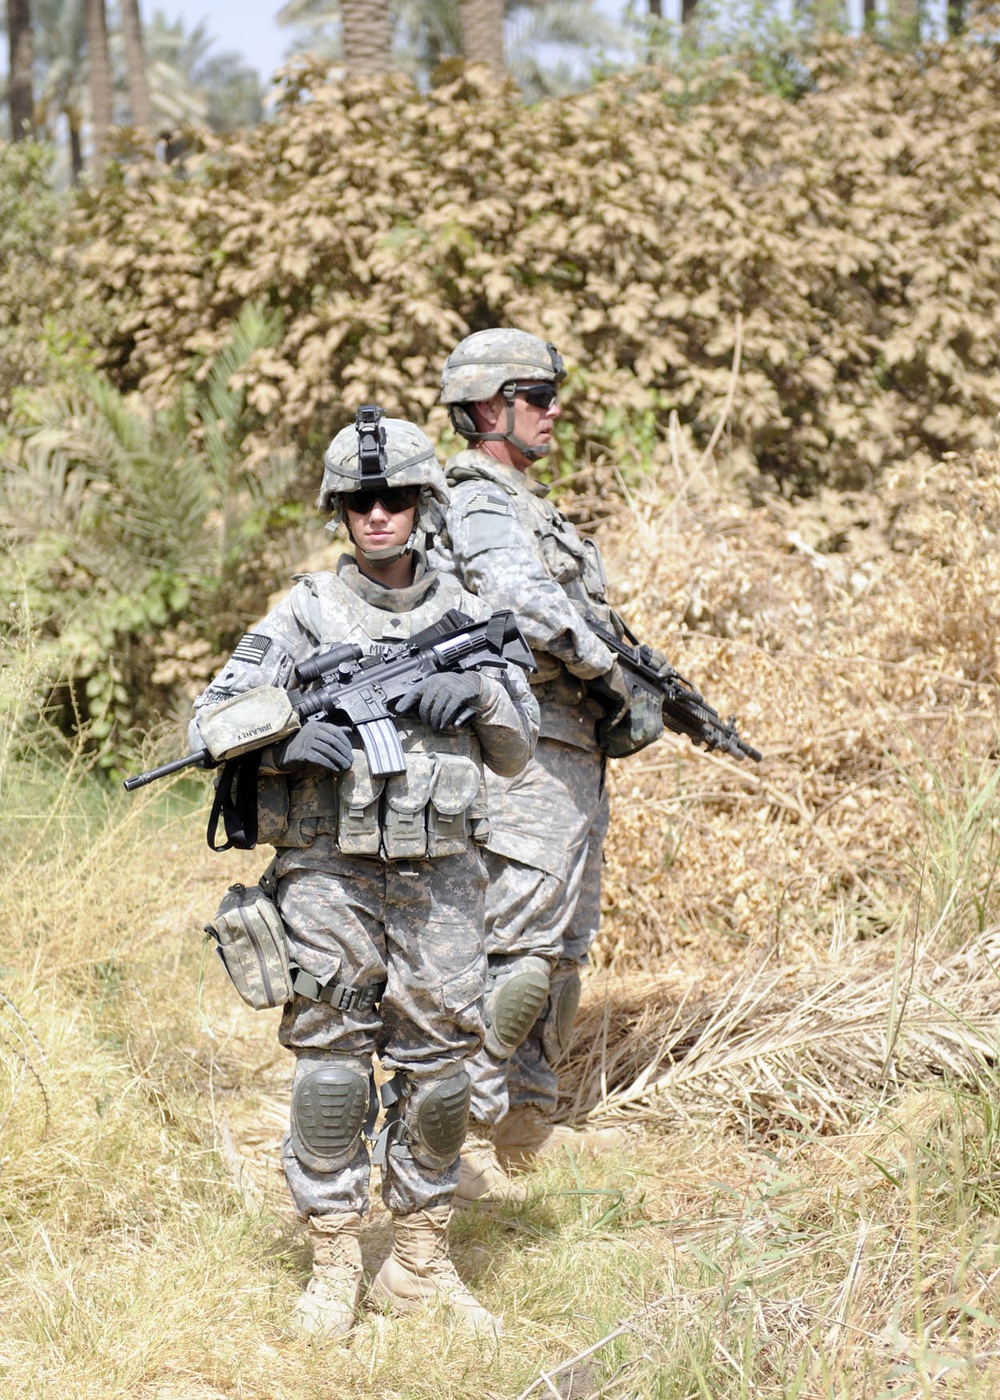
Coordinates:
<point>536,408</point>
<point>379,525</point>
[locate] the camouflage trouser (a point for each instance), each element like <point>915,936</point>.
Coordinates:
<point>552,911</point>
<point>417,926</point>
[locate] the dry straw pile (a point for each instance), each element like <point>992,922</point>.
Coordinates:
<point>783,938</point>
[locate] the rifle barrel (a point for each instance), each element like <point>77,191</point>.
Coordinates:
<point>199,758</point>
<point>685,711</point>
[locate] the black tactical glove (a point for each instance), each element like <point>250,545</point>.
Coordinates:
<point>325,745</point>
<point>658,661</point>
<point>444,700</point>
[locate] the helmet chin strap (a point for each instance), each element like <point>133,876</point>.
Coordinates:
<point>532,453</point>
<point>388,552</point>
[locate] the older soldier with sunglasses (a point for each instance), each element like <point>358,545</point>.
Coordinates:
<point>513,548</point>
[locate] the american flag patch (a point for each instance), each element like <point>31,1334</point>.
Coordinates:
<point>252,647</point>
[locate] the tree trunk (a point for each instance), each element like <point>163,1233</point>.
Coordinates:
<point>688,8</point>
<point>135,62</point>
<point>366,31</point>
<point>75,145</point>
<point>482,32</point>
<point>20,62</point>
<point>99,68</point>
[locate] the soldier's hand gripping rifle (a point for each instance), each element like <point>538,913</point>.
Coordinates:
<point>661,696</point>
<point>351,689</point>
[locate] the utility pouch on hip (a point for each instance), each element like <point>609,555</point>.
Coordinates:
<point>250,940</point>
<point>641,724</point>
<point>272,809</point>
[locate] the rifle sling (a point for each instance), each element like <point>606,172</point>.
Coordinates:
<point>235,802</point>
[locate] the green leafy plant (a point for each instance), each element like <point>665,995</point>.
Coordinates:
<point>135,538</point>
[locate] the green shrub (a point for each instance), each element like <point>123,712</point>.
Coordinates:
<point>136,548</point>
<point>31,281</point>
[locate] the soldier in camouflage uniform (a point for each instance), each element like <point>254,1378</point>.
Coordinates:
<point>380,886</point>
<point>514,549</point>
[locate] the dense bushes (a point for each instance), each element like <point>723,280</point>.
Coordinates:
<point>30,278</point>
<point>847,246</point>
<point>133,558</point>
<point>855,234</point>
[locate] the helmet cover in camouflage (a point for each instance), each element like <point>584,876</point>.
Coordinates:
<point>482,363</point>
<point>375,451</point>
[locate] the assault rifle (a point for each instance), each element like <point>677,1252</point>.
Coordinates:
<point>661,697</point>
<point>352,689</point>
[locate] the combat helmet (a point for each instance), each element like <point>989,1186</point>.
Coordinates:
<point>492,362</point>
<point>377,452</point>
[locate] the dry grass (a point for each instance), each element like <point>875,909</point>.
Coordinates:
<point>796,1010</point>
<point>789,1047</point>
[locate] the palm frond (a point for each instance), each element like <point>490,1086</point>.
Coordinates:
<point>117,482</point>
<point>219,404</point>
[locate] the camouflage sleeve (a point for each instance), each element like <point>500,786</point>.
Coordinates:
<point>507,721</point>
<point>498,559</point>
<point>266,655</point>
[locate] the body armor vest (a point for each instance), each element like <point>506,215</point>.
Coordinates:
<point>438,804</point>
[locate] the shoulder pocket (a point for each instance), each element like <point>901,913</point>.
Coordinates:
<point>489,523</point>
<point>595,580</point>
<point>562,552</point>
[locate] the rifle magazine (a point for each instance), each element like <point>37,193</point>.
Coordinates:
<point>382,747</point>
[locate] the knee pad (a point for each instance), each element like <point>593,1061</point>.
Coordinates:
<point>435,1115</point>
<point>564,1001</point>
<point>329,1107</point>
<point>513,1002</point>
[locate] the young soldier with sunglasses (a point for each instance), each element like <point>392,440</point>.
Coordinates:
<point>514,549</point>
<point>380,883</point>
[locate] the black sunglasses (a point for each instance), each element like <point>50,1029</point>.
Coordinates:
<point>538,395</point>
<point>393,499</point>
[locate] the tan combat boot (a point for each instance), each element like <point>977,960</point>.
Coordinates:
<point>328,1306</point>
<point>527,1134</point>
<point>481,1178</point>
<point>419,1271</point>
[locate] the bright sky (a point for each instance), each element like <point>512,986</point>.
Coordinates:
<point>235,26</point>
<point>250,30</point>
